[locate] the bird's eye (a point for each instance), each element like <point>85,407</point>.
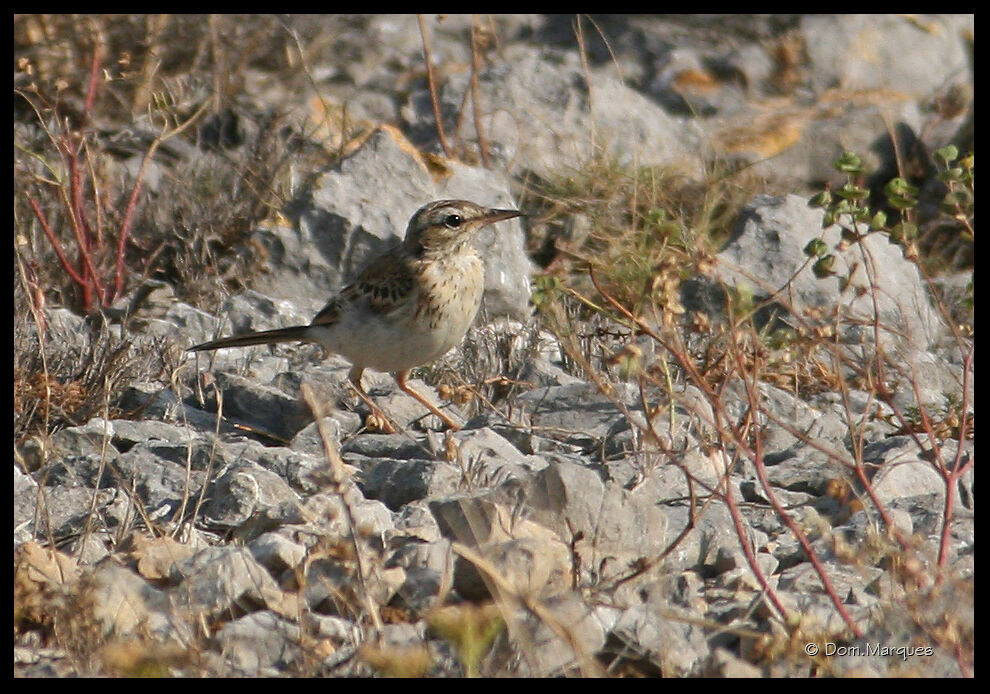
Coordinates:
<point>452,221</point>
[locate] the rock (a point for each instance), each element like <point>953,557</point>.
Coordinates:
<point>217,579</point>
<point>677,648</point>
<point>546,653</point>
<point>607,527</point>
<point>125,605</point>
<point>260,643</point>
<point>766,255</point>
<point>339,231</point>
<point>867,51</point>
<point>397,482</point>
<point>576,414</point>
<point>566,115</point>
<point>277,553</point>
<point>529,559</point>
<point>243,490</point>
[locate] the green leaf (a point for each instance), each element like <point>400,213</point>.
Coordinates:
<point>862,215</point>
<point>815,248</point>
<point>947,153</point>
<point>822,199</point>
<point>900,186</point>
<point>852,192</point>
<point>904,232</point>
<point>901,194</point>
<point>823,267</point>
<point>955,201</point>
<point>844,207</point>
<point>849,163</point>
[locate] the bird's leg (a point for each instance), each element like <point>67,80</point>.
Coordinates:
<point>385,424</point>
<point>401,377</point>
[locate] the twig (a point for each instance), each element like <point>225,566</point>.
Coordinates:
<point>431,81</point>
<point>125,224</point>
<point>475,98</point>
<point>339,479</point>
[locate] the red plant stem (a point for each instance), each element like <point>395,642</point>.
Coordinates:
<point>76,277</point>
<point>737,523</point>
<point>949,477</point>
<point>78,205</point>
<point>80,226</point>
<point>94,74</point>
<point>756,455</point>
<point>958,469</point>
<point>124,234</point>
<point>802,539</point>
<point>125,225</point>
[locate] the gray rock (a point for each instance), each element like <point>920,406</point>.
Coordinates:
<point>62,511</point>
<point>263,407</point>
<point>302,471</point>
<point>191,322</point>
<point>332,585</point>
<point>93,438</point>
<point>326,514</point>
<point>257,642</point>
<point>804,579</point>
<point>340,230</point>
<point>125,605</point>
<point>766,255</point>
<point>151,401</point>
<point>159,483</point>
<point>251,311</point>
<point>904,471</point>
<point>608,528</point>
<point>243,490</point>
<point>576,414</point>
<point>216,580</point>
<point>128,432</point>
<point>25,503</point>
<point>802,469</point>
<point>397,482</point>
<point>537,650</point>
<point>677,648</point>
<point>550,118</point>
<point>867,51</point>
<point>396,446</point>
<point>491,460</point>
<point>91,547</point>
<point>338,424</point>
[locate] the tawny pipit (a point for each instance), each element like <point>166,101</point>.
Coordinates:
<point>407,308</point>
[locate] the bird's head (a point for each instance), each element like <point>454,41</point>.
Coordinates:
<point>443,226</point>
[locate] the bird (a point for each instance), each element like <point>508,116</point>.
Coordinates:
<point>407,308</point>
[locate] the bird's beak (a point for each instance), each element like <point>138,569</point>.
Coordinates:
<point>492,216</point>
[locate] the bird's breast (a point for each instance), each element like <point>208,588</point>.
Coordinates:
<point>449,297</point>
<point>445,298</point>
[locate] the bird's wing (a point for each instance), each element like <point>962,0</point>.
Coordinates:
<point>382,287</point>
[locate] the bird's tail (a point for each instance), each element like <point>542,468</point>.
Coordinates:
<point>298,333</point>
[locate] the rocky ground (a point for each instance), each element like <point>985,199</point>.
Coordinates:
<point>633,494</point>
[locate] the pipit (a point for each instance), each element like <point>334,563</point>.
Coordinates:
<point>407,308</point>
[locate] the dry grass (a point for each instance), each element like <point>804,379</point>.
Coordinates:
<point>616,244</point>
